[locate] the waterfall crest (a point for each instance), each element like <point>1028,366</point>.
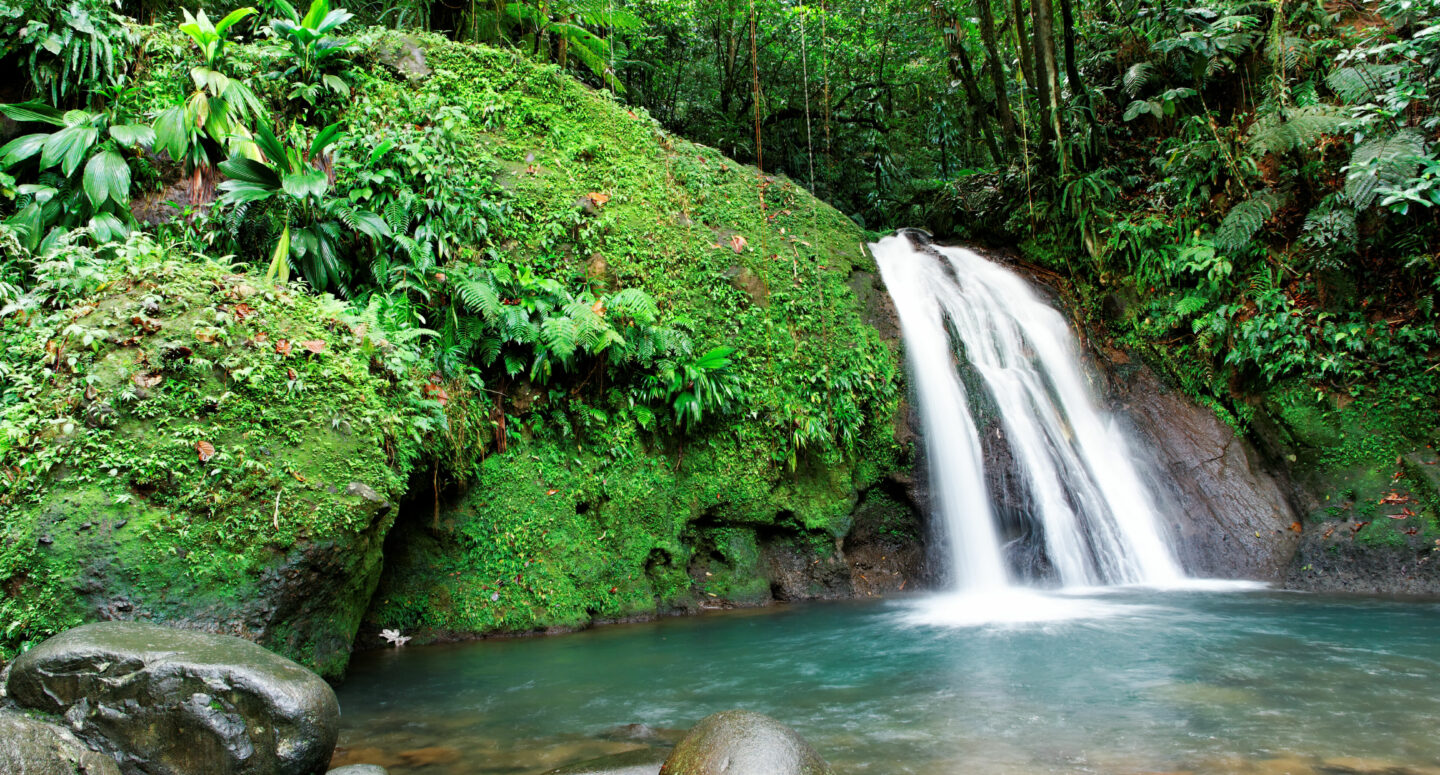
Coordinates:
<point>1085,507</point>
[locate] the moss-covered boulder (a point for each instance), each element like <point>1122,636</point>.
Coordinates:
<point>584,509</point>
<point>742,742</point>
<point>187,445</point>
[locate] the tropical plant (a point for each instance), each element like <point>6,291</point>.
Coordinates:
<point>79,172</point>
<point>287,197</point>
<point>315,50</point>
<point>68,49</point>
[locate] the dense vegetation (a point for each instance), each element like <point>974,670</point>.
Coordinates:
<point>539,288</point>
<point>559,293</point>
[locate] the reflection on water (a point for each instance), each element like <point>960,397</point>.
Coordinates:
<point>1152,681</point>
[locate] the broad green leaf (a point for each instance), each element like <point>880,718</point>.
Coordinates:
<point>250,171</point>
<point>172,132</point>
<point>280,259</point>
<point>21,148</point>
<point>234,16</point>
<point>131,135</point>
<point>33,111</point>
<point>238,191</point>
<point>319,9</point>
<point>326,138</point>
<point>271,147</point>
<point>336,84</point>
<point>107,176</point>
<point>302,184</point>
<point>108,227</point>
<point>68,147</point>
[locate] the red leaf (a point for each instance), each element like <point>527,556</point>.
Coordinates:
<point>206,450</point>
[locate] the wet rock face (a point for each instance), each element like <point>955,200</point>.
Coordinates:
<point>741,742</point>
<point>1229,516</point>
<point>31,747</point>
<point>177,702</point>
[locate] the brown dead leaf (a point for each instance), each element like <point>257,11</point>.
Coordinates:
<point>206,335</point>
<point>147,380</point>
<point>315,346</point>
<point>242,311</point>
<point>282,347</point>
<point>1295,527</point>
<point>599,307</point>
<point>738,243</point>
<point>598,198</point>
<point>145,324</point>
<point>551,492</point>
<point>206,450</point>
<point>291,373</point>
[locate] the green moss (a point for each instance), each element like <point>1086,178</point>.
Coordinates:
<point>119,506</point>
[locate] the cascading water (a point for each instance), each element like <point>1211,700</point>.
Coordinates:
<point>1096,522</point>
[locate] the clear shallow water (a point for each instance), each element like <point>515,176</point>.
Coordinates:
<point>1115,681</point>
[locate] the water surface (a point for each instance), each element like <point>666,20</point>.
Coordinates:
<point>1121,681</point>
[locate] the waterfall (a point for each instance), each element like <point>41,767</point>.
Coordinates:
<point>1082,514</point>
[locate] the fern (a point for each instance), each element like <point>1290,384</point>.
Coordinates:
<point>1136,77</point>
<point>633,303</point>
<point>480,296</point>
<point>1190,306</point>
<point>561,336</point>
<point>1362,82</point>
<point>1284,131</point>
<point>1330,233</point>
<point>1378,162</point>
<point>1244,219</point>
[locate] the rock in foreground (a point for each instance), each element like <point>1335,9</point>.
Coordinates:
<point>31,747</point>
<point>742,742</point>
<point>177,702</point>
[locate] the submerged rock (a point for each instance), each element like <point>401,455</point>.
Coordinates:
<point>32,747</point>
<point>742,742</point>
<point>359,769</point>
<point>645,761</point>
<point>177,702</point>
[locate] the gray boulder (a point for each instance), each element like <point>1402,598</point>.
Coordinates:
<point>742,742</point>
<point>405,56</point>
<point>32,747</point>
<point>179,702</point>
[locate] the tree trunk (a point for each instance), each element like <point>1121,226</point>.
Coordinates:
<point>997,77</point>
<point>1047,73</point>
<point>1072,73</point>
<point>1027,68</point>
<point>961,70</point>
<point>562,57</point>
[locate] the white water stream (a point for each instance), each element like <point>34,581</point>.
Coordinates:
<point>1100,525</point>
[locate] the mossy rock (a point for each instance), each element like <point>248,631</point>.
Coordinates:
<point>741,742</point>
<point>198,448</point>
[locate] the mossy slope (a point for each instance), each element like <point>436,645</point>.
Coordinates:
<point>196,447</point>
<point>589,515</point>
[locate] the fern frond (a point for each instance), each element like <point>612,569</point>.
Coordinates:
<point>1284,131</point>
<point>1136,77</point>
<point>1377,162</point>
<point>1246,218</point>
<point>480,296</point>
<point>1362,82</point>
<point>635,304</point>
